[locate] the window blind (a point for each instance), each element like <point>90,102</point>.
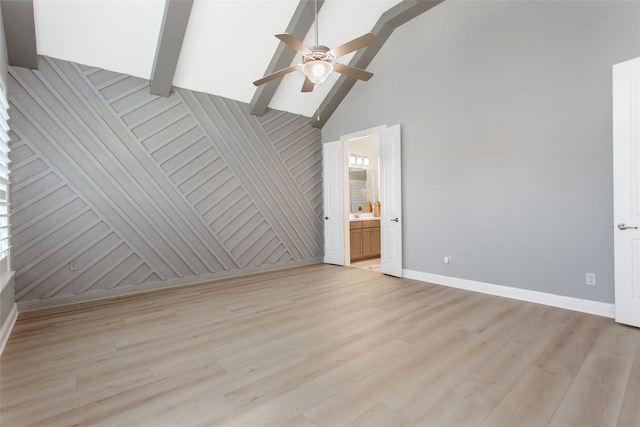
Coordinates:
<point>4,172</point>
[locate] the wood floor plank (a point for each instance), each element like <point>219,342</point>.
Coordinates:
<point>602,381</point>
<point>306,371</point>
<point>350,403</point>
<point>299,421</point>
<point>424,391</point>
<point>381,416</point>
<point>489,384</point>
<point>629,410</point>
<point>532,401</point>
<point>569,349</point>
<point>314,346</point>
<point>464,413</point>
<point>617,341</point>
<point>87,409</point>
<point>281,408</point>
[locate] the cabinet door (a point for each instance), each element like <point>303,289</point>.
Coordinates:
<point>356,244</point>
<point>375,242</point>
<point>368,237</point>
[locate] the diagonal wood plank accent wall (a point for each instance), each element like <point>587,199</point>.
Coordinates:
<point>143,192</point>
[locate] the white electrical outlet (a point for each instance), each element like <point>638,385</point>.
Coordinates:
<point>447,260</point>
<point>590,279</point>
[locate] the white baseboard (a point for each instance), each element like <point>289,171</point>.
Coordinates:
<point>7,327</point>
<point>569,303</point>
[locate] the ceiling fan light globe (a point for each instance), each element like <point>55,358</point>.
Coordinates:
<point>317,71</point>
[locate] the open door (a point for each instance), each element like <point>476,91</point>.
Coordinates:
<point>391,202</point>
<point>626,191</point>
<point>333,170</point>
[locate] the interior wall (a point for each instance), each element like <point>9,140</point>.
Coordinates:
<point>506,121</point>
<point>7,298</point>
<point>118,191</point>
<point>4,62</point>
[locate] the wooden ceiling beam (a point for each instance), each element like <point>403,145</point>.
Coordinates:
<point>398,15</point>
<point>20,33</point>
<point>299,26</point>
<point>172,31</point>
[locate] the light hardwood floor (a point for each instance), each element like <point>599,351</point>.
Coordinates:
<point>369,264</point>
<point>319,346</point>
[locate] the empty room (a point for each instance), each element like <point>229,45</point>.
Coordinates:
<point>319,213</point>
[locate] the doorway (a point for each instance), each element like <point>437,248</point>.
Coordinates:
<point>337,201</point>
<point>362,182</point>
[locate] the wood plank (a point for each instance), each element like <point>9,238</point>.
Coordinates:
<point>318,345</point>
<point>628,415</point>
<point>20,33</point>
<point>493,380</point>
<point>464,412</point>
<point>424,391</point>
<point>532,401</point>
<point>381,416</point>
<point>174,26</point>
<point>601,382</point>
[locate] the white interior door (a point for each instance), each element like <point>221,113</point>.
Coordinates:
<point>334,213</point>
<point>626,195</point>
<point>390,202</point>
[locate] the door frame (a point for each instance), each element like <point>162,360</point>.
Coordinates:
<point>382,132</point>
<point>345,194</point>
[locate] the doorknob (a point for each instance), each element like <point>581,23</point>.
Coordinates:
<point>623,226</point>
<point>395,220</point>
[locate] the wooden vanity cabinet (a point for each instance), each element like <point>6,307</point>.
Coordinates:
<point>371,240</point>
<point>364,239</point>
<point>355,239</point>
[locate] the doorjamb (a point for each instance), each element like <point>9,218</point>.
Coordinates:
<point>345,194</point>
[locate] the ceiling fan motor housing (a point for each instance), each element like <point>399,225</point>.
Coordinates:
<point>318,53</point>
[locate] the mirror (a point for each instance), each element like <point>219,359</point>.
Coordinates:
<point>362,188</point>
<point>364,165</point>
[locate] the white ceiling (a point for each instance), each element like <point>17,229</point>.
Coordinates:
<point>228,43</point>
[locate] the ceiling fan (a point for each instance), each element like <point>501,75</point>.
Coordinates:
<point>318,61</point>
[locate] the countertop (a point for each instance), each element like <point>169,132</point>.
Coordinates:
<point>369,218</point>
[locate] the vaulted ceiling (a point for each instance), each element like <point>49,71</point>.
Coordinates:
<point>227,44</point>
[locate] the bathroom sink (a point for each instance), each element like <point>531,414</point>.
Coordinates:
<point>361,215</point>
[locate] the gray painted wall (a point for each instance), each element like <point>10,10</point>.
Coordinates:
<point>3,51</point>
<point>505,110</point>
<point>143,192</point>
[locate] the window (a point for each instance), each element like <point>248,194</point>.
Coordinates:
<point>4,172</point>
